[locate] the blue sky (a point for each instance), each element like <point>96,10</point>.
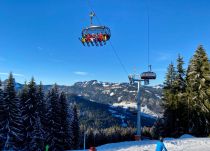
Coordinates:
<point>40,38</point>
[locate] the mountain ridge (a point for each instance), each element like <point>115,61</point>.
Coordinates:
<point>115,94</point>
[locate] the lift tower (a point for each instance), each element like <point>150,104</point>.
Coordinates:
<point>144,77</point>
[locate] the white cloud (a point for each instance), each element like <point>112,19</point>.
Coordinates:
<point>80,73</point>
<point>2,73</point>
<point>14,74</point>
<point>18,75</point>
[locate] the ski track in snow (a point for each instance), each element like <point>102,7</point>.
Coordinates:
<point>181,144</point>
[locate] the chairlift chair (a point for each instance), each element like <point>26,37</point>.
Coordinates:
<point>93,34</point>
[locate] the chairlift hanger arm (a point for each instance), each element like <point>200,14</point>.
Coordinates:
<point>132,78</point>
<point>92,14</point>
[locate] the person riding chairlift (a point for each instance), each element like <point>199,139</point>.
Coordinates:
<point>100,37</point>
<point>92,37</point>
<point>88,38</point>
<point>107,36</point>
<point>83,39</point>
<point>104,38</point>
<point>95,39</point>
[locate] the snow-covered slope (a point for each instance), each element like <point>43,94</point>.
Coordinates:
<point>144,109</point>
<point>184,143</point>
<point>120,94</point>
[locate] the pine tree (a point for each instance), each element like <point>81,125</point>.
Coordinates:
<point>37,132</point>
<point>170,77</point>
<point>42,108</point>
<point>75,128</point>
<point>13,128</point>
<point>37,142</point>
<point>66,115</point>
<point>47,126</point>
<point>29,101</point>
<point>180,97</point>
<point>41,100</point>
<point>54,139</point>
<point>198,88</point>
<point>32,93</point>
<point>169,103</point>
<point>33,129</point>
<point>180,76</point>
<point>23,95</point>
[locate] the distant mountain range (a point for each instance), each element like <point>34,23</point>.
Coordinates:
<point>115,94</point>
<point>120,94</point>
<point>106,104</point>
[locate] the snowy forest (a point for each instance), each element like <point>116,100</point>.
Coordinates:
<point>31,120</point>
<point>186,97</point>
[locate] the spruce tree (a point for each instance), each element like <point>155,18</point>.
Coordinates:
<point>42,108</point>
<point>12,127</point>
<point>55,134</point>
<point>180,75</point>
<point>75,128</point>
<point>31,116</point>
<point>198,88</point>
<point>23,95</point>
<point>66,115</point>
<point>180,97</point>
<point>29,110</point>
<point>37,132</point>
<point>169,104</point>
<point>170,77</point>
<point>37,142</point>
